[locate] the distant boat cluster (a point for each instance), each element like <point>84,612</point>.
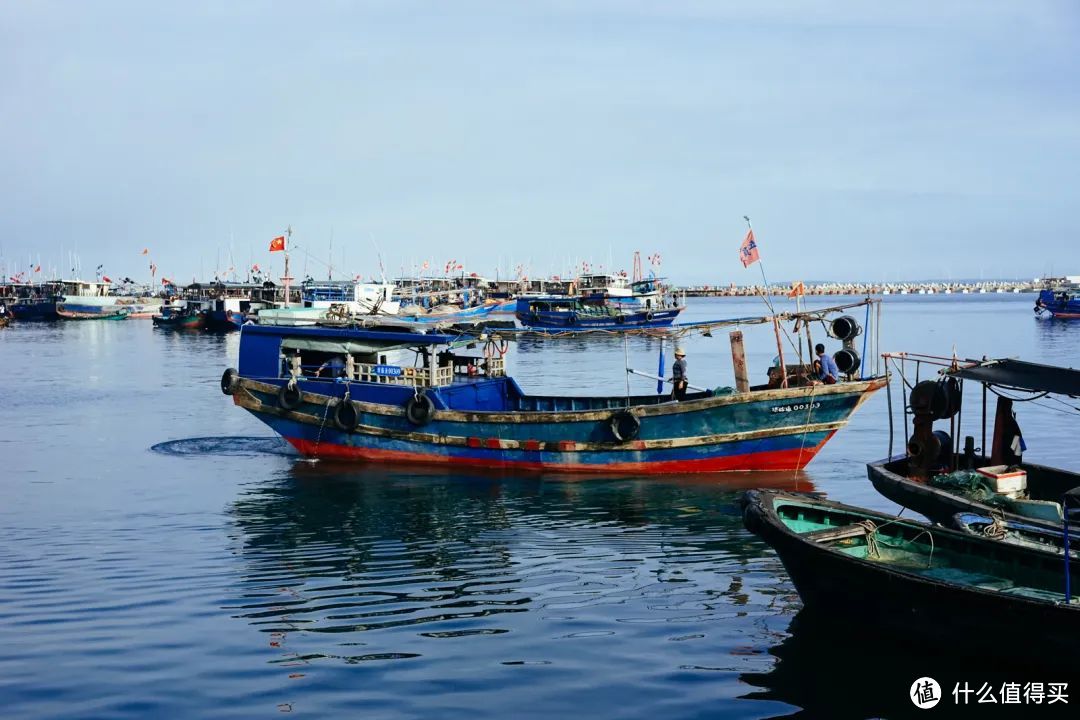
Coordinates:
<point>586,302</point>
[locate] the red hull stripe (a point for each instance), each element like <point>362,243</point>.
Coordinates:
<point>790,459</point>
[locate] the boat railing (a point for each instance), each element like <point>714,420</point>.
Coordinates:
<point>383,374</point>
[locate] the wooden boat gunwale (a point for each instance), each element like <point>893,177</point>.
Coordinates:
<point>816,567</point>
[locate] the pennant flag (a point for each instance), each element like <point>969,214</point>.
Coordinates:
<point>277,244</point>
<point>106,278</point>
<point>146,251</point>
<point>748,252</point>
<point>797,288</point>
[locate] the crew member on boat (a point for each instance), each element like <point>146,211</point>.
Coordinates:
<point>828,372</point>
<point>678,375</point>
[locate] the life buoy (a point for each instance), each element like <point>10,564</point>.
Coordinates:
<point>649,315</point>
<point>419,409</point>
<point>572,319</point>
<point>625,426</point>
<point>228,381</point>
<point>345,416</point>
<point>289,397</point>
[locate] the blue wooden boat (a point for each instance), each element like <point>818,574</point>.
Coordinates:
<point>1062,301</point>
<point>563,314</point>
<point>422,397</point>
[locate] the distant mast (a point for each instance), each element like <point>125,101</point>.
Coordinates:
<point>286,278</point>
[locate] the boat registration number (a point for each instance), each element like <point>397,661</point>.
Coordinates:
<point>795,407</point>
<point>388,370</point>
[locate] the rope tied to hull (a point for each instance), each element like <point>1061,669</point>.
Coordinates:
<point>996,529</point>
<point>871,540</point>
<point>326,411</point>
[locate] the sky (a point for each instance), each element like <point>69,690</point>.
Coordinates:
<point>865,140</point>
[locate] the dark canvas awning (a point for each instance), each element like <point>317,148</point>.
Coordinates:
<point>1021,375</point>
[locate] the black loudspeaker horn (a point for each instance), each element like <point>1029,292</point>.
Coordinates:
<point>847,360</point>
<point>845,328</point>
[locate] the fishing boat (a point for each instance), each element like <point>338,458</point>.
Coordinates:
<point>107,312</point>
<point>181,317</point>
<point>332,300</point>
<point>1060,299</point>
<point>432,397</point>
<point>938,477</point>
<point>36,301</point>
<point>869,567</point>
<point>561,314</point>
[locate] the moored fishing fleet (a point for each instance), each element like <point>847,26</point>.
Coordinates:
<point>413,371</point>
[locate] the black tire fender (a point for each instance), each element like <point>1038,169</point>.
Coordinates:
<point>345,416</point>
<point>229,379</point>
<point>419,409</point>
<point>625,426</point>
<point>289,397</point>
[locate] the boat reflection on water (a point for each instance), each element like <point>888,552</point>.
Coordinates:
<point>350,564</point>
<point>824,670</point>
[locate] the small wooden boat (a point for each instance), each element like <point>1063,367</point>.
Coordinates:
<point>885,570</point>
<point>106,313</point>
<point>187,318</point>
<point>930,477</point>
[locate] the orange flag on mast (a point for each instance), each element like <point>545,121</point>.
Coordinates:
<point>748,252</point>
<point>277,244</point>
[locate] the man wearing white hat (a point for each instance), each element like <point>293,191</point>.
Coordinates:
<point>678,375</point>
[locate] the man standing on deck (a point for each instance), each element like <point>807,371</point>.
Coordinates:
<point>829,373</point>
<point>678,375</point>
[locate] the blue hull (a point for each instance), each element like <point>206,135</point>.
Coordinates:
<point>769,430</point>
<point>41,310</point>
<point>572,322</point>
<point>1060,304</point>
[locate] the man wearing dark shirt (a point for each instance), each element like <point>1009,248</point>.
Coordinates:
<point>678,375</point>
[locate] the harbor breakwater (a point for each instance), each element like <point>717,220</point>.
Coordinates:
<point>842,288</point>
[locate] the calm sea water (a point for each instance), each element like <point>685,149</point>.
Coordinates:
<point>161,554</point>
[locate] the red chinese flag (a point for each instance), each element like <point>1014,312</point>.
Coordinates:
<point>748,252</point>
<point>146,251</point>
<point>37,268</point>
<point>277,244</point>
<point>108,279</point>
<point>797,288</point>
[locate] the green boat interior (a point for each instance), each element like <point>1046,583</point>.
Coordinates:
<point>927,552</point>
